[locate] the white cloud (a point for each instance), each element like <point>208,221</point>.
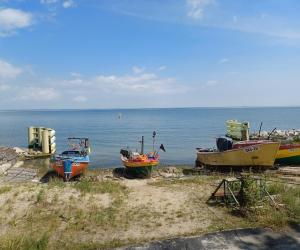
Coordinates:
<point>14,19</point>
<point>80,98</point>
<point>223,60</point>
<point>48,1</point>
<point>69,4</point>
<point>161,68</point>
<point>211,83</point>
<point>196,7</point>
<point>144,88</point>
<point>233,73</point>
<point>4,87</point>
<point>37,94</point>
<point>137,70</point>
<point>143,83</point>
<point>75,74</point>
<point>7,70</point>
<point>148,82</point>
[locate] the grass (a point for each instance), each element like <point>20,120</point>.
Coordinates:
<point>40,195</point>
<point>24,242</point>
<point>76,215</point>
<point>5,189</point>
<point>108,186</point>
<point>56,182</point>
<point>115,243</point>
<point>197,180</point>
<point>268,215</point>
<point>290,197</point>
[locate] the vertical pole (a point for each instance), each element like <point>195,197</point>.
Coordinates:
<point>225,198</point>
<point>142,146</point>
<point>153,144</point>
<point>153,137</point>
<point>260,129</point>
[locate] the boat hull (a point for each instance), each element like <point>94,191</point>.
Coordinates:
<point>249,156</point>
<point>140,169</point>
<point>288,155</point>
<point>75,169</point>
<point>139,172</point>
<point>130,164</point>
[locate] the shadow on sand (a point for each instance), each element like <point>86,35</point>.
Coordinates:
<point>51,174</point>
<point>125,173</point>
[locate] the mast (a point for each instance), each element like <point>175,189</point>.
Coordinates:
<point>142,146</point>
<point>153,139</point>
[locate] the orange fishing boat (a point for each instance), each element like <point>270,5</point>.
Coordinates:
<point>139,164</point>
<point>73,162</point>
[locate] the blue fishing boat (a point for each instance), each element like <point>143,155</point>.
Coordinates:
<point>74,161</point>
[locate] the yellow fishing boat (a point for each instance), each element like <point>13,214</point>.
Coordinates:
<point>288,154</point>
<point>263,155</point>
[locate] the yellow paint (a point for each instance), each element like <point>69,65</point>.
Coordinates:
<point>131,164</point>
<point>256,155</point>
<point>283,153</point>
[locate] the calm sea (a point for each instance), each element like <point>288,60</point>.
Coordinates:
<point>180,130</point>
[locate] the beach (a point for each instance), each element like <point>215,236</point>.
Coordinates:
<point>102,211</point>
<point>149,125</point>
<point>105,209</point>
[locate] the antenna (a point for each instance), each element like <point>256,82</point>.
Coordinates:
<point>260,129</point>
<point>142,145</point>
<point>153,138</point>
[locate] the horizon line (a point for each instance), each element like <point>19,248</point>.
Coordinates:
<point>149,108</point>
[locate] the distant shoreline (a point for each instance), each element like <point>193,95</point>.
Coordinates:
<point>149,108</point>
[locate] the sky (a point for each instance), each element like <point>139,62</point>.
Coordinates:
<point>81,54</point>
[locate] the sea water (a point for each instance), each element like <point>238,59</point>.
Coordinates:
<point>181,130</point>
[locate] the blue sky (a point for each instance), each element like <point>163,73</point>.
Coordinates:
<point>149,53</point>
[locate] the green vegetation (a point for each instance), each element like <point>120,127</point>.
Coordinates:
<point>56,182</point>
<point>24,242</point>
<point>197,180</point>
<point>96,212</point>
<point>108,186</point>
<point>250,192</point>
<point>40,195</point>
<point>5,189</point>
<point>289,196</point>
<point>265,213</point>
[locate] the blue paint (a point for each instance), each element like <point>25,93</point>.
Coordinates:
<point>67,166</point>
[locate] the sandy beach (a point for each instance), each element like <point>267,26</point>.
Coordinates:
<point>101,211</point>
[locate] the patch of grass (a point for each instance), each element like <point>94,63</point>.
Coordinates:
<point>40,196</point>
<point>292,200</point>
<point>24,242</point>
<point>266,215</point>
<point>115,243</point>
<point>276,188</point>
<point>107,218</point>
<point>179,214</point>
<point>111,187</point>
<point>56,182</point>
<point>197,180</point>
<point>5,189</point>
<point>289,196</point>
<point>55,198</point>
